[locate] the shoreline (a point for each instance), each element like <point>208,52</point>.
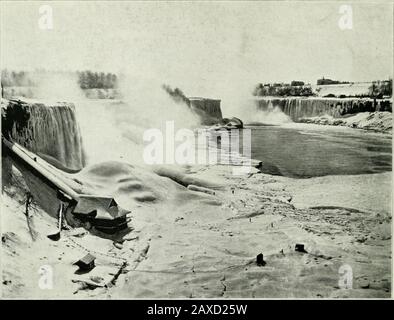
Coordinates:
<point>324,123</point>
<point>378,122</point>
<point>195,232</point>
<point>197,245</point>
<point>355,192</point>
<point>320,127</point>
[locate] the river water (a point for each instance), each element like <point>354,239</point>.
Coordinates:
<point>288,149</point>
<point>306,151</point>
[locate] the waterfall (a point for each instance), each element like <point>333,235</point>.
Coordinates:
<point>46,129</point>
<point>208,110</point>
<point>297,108</point>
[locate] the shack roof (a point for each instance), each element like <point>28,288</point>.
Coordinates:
<point>104,207</point>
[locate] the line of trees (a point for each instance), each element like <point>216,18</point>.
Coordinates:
<point>176,94</point>
<point>283,89</point>
<point>86,79</point>
<point>91,80</point>
<point>324,81</point>
<point>15,79</point>
<point>379,89</point>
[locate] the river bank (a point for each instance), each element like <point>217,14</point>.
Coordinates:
<point>371,121</point>
<point>185,241</point>
<point>195,245</point>
<point>370,193</point>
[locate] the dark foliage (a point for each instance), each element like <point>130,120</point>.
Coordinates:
<point>176,94</point>
<point>15,79</point>
<point>91,80</point>
<point>378,89</point>
<point>323,81</point>
<point>283,89</point>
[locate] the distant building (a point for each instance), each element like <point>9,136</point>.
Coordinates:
<point>295,83</point>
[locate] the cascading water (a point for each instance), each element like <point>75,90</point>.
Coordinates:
<point>297,108</point>
<point>274,115</point>
<point>264,113</point>
<point>47,129</point>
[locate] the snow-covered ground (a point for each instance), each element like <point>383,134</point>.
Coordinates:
<point>195,245</point>
<point>348,89</point>
<point>375,121</point>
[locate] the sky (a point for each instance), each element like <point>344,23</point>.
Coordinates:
<point>202,47</point>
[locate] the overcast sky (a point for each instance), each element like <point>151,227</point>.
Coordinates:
<point>198,45</point>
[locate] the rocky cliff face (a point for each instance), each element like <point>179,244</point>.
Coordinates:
<point>49,129</point>
<point>208,110</point>
<point>297,108</point>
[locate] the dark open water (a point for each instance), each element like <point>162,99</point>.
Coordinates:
<point>310,152</point>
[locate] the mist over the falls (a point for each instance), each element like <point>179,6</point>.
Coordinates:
<point>113,129</point>
<point>248,110</point>
<point>273,115</point>
<point>150,106</point>
<point>56,86</point>
<point>237,101</point>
